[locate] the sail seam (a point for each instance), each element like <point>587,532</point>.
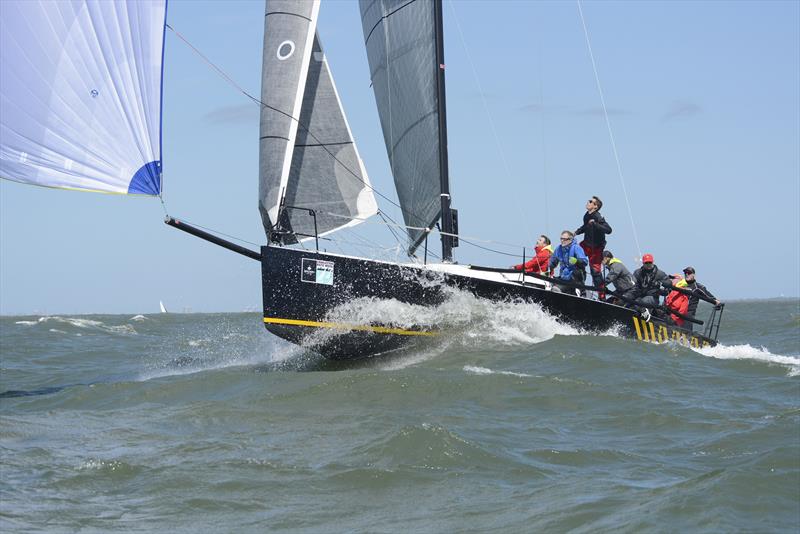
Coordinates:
<point>286,13</point>
<point>273,137</point>
<point>325,144</point>
<point>385,17</point>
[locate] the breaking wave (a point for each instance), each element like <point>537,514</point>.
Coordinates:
<point>748,352</point>
<point>80,323</point>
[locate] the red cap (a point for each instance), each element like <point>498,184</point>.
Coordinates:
<point>647,258</point>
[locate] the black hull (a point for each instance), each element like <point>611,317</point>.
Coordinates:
<point>304,290</point>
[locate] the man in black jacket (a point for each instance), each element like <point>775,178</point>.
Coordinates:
<point>698,290</point>
<point>594,229</point>
<point>649,282</point>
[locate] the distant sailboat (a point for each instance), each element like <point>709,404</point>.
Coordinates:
<point>95,125</point>
<point>161,305</point>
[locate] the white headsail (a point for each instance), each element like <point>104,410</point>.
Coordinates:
<point>308,157</point>
<point>80,94</point>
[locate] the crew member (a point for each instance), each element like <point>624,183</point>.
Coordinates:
<point>649,282</point>
<point>698,290</point>
<point>677,301</point>
<point>539,263</point>
<point>594,229</point>
<point>573,262</point>
<point>616,274</point>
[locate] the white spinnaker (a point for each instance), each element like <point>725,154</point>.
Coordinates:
<point>80,94</point>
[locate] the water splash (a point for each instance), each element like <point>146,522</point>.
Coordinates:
<point>465,323</point>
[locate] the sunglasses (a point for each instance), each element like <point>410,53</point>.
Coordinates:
<point>566,239</point>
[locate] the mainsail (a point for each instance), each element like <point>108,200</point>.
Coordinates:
<point>80,94</point>
<point>400,37</point>
<point>308,160</point>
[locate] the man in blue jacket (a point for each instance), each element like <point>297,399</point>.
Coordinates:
<point>573,262</point>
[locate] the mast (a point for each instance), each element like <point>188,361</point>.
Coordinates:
<point>444,179</point>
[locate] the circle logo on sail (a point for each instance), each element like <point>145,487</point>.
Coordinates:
<point>285,50</point>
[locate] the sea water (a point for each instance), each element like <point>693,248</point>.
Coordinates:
<point>509,422</point>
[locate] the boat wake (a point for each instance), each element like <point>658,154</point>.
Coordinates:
<point>748,352</point>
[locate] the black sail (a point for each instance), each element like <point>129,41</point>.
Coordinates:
<point>400,37</point>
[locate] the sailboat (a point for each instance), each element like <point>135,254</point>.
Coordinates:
<point>312,181</point>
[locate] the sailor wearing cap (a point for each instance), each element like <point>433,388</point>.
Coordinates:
<point>698,291</point>
<point>648,282</point>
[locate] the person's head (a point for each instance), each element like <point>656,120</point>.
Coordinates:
<point>647,262</point>
<point>566,238</point>
<point>543,241</point>
<point>593,204</point>
<point>607,256</point>
<point>689,274</point>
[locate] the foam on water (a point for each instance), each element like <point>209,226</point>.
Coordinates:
<point>748,352</point>
<point>80,323</point>
<point>484,371</point>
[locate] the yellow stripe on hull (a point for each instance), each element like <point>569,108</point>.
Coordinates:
<point>344,326</point>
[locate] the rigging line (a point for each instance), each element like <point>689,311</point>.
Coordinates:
<point>488,249</point>
<point>483,100</point>
<point>368,242</point>
<point>608,125</point>
<point>289,115</point>
<point>163,205</point>
<point>399,242</point>
<point>423,229</point>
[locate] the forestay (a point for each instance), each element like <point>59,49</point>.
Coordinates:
<point>80,94</point>
<point>401,49</point>
<point>308,159</point>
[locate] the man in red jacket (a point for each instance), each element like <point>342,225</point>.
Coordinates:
<point>538,264</point>
<point>677,301</point>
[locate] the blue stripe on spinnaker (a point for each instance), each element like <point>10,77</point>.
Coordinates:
<point>147,180</point>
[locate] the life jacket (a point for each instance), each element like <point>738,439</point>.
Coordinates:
<point>678,302</point>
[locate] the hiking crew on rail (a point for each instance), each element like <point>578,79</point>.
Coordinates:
<point>641,290</point>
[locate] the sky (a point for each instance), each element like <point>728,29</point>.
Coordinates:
<point>704,105</point>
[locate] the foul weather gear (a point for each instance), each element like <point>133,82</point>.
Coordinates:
<point>569,271</point>
<point>679,302</point>
<point>539,263</point>
<point>619,275</point>
<point>594,232</point>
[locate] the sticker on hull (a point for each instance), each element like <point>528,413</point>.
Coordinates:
<point>316,271</point>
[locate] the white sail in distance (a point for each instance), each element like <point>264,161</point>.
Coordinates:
<point>308,159</point>
<point>80,94</point>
